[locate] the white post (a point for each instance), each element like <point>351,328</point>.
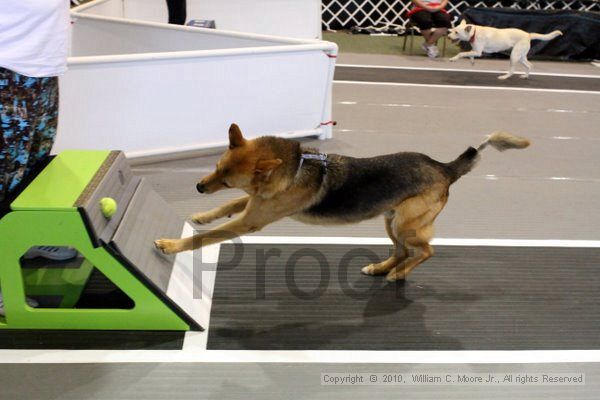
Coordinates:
<point>327,119</point>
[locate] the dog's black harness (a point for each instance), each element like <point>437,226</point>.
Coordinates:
<point>309,156</point>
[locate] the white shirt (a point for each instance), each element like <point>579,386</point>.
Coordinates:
<point>34,36</point>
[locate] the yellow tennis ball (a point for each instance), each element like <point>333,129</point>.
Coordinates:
<point>108,206</point>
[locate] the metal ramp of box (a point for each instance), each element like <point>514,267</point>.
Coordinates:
<point>61,208</point>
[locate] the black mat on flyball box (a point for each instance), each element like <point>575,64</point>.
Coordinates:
<point>472,298</point>
<point>90,340</point>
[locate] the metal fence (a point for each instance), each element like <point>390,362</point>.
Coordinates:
<point>346,14</point>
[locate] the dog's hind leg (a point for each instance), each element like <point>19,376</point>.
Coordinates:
<point>419,249</point>
<point>510,72</point>
<point>399,252</point>
<point>527,65</point>
<point>513,62</point>
<point>416,230</point>
<point>518,52</point>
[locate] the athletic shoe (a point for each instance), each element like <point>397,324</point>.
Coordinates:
<point>30,302</point>
<point>431,50</point>
<point>51,252</point>
<point>425,48</point>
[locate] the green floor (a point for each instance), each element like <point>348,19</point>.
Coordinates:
<point>349,43</point>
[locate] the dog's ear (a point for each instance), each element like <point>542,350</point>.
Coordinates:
<point>468,28</point>
<point>263,166</point>
<point>463,22</point>
<point>235,137</point>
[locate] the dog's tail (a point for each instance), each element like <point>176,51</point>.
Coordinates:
<point>501,141</point>
<point>547,36</point>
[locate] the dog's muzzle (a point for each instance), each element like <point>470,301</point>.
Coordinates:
<point>200,187</point>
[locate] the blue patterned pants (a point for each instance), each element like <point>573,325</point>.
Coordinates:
<point>28,122</point>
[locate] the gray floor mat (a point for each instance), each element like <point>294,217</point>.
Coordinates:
<point>470,78</point>
<point>464,298</point>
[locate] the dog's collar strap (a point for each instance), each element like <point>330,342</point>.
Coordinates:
<point>472,39</point>
<point>309,156</point>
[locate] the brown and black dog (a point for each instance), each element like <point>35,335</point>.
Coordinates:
<point>284,179</point>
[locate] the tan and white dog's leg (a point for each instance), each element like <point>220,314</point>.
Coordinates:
<point>258,213</point>
<point>420,251</point>
<point>226,231</point>
<point>226,210</point>
<point>415,229</point>
<point>399,252</point>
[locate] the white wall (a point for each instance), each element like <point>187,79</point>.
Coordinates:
<point>290,18</point>
<point>116,37</point>
<point>157,103</point>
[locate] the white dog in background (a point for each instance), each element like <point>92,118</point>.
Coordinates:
<point>485,39</point>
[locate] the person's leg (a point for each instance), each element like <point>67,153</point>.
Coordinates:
<point>7,131</point>
<point>18,96</point>
<point>441,22</point>
<point>177,11</point>
<point>10,197</point>
<point>427,33</point>
<point>44,123</point>
<point>425,23</point>
<point>437,33</point>
<point>5,81</point>
<point>19,128</point>
<point>44,117</point>
<point>423,20</point>
<point>28,124</point>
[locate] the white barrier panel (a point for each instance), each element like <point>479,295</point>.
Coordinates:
<point>291,18</point>
<point>130,86</point>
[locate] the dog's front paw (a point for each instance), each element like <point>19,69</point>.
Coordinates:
<point>368,270</point>
<point>167,246</point>
<point>452,59</point>
<point>503,77</point>
<point>203,218</point>
<point>524,76</point>
<point>394,276</point>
